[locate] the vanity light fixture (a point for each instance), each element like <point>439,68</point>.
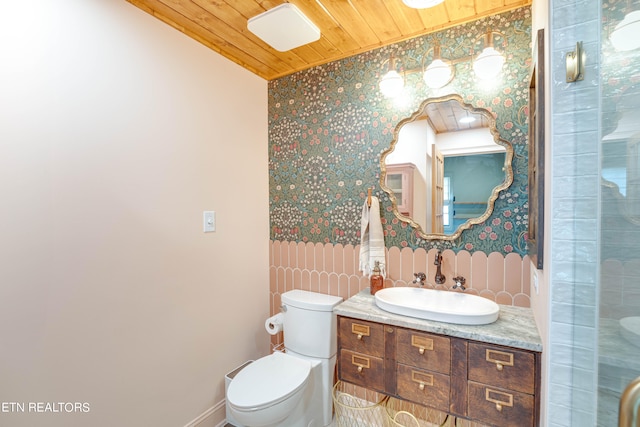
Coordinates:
<point>489,63</point>
<point>625,35</point>
<point>439,73</point>
<point>422,4</point>
<point>392,83</point>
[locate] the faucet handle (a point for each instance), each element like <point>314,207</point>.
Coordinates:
<point>459,282</point>
<point>419,278</point>
<point>459,279</point>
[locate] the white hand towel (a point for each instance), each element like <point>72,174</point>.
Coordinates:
<point>371,239</point>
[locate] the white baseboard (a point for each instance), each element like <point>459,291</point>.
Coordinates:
<point>212,417</point>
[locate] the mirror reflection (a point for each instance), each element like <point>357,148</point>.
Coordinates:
<point>445,167</point>
<point>621,156</point>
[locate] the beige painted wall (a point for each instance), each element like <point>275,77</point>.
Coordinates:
<point>116,132</point>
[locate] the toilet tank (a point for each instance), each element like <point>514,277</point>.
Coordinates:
<point>310,326</point>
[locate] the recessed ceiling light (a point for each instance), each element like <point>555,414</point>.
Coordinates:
<point>468,119</point>
<point>422,4</point>
<point>284,27</point>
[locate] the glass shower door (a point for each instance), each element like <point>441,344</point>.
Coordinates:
<point>619,287</point>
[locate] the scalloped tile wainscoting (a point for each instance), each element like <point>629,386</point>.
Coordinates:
<point>333,269</point>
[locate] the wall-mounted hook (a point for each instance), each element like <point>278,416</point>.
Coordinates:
<point>575,64</point>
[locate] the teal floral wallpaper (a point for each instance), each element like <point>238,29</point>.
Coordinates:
<point>329,124</point>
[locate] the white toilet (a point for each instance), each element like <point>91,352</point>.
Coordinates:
<point>292,389</point>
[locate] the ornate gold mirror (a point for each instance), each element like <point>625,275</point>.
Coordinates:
<point>445,167</point>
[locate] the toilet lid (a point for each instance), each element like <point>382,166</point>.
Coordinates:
<point>268,381</point>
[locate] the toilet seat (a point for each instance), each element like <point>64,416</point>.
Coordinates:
<point>268,381</point>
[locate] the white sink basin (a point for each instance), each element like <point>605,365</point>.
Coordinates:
<point>442,306</point>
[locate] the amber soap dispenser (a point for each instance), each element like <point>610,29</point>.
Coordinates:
<point>376,281</point>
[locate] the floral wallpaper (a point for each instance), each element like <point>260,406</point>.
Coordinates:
<point>328,126</point>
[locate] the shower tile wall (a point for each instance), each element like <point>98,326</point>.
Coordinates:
<point>574,229</point>
<point>333,269</point>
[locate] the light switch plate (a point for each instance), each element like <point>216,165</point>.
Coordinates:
<point>209,221</point>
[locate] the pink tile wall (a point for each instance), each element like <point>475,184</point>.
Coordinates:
<point>333,269</point>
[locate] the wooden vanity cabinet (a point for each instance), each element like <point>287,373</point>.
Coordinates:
<point>361,353</point>
<point>488,383</point>
<point>502,385</point>
<point>423,367</point>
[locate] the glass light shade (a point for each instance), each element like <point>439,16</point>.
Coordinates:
<point>626,35</point>
<point>422,4</point>
<point>438,74</point>
<point>488,64</point>
<point>391,84</point>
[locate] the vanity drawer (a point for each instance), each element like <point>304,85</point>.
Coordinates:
<point>361,336</point>
<point>502,367</point>
<point>500,407</point>
<point>362,370</point>
<point>422,350</point>
<point>424,387</point>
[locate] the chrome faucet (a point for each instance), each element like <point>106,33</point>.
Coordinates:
<point>438,263</point>
<point>419,279</point>
<point>459,283</point>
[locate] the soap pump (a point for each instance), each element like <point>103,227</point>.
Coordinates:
<point>376,281</point>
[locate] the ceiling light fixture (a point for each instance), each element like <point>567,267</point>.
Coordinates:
<point>625,35</point>
<point>422,4</point>
<point>284,27</point>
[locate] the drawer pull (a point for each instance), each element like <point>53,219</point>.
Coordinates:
<point>499,398</point>
<point>422,379</point>
<point>422,343</point>
<point>360,330</point>
<point>361,362</point>
<point>500,358</point>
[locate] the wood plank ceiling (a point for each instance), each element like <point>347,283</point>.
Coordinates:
<point>347,27</point>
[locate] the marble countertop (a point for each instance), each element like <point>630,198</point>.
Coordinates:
<point>515,327</point>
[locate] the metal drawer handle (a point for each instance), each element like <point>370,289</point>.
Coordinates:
<point>422,343</point>
<point>361,362</point>
<point>360,330</point>
<point>422,379</point>
<point>499,398</point>
<point>500,358</point>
